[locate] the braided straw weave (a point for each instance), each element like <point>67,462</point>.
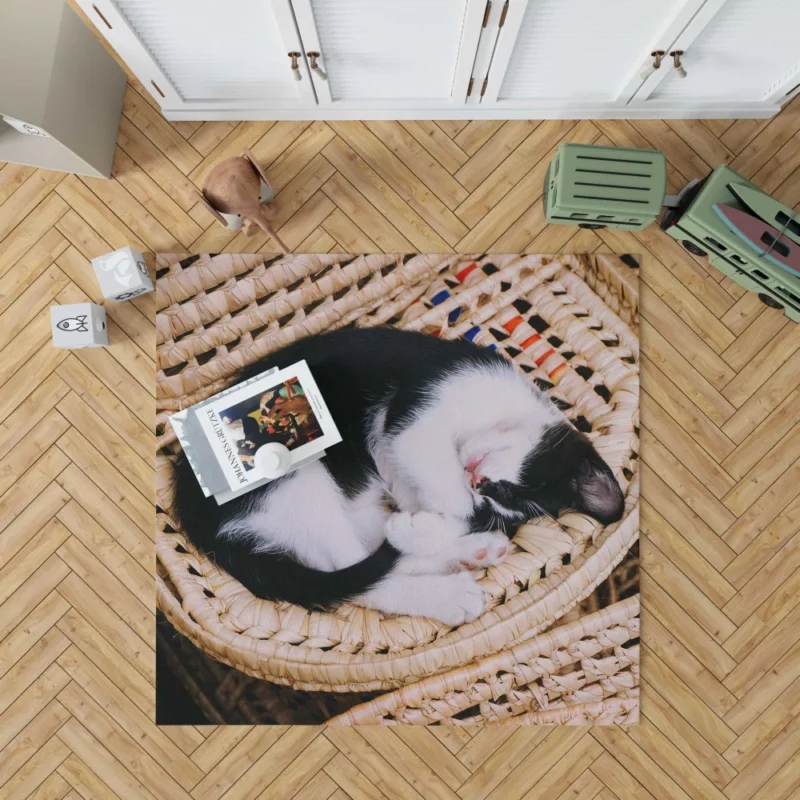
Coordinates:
<point>568,322</point>
<point>585,672</point>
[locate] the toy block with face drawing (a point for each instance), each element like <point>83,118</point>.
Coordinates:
<point>79,325</point>
<point>122,274</point>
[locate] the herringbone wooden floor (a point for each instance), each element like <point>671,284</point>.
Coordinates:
<point>721,464</point>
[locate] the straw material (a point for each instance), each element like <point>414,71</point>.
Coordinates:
<point>217,314</point>
<point>584,672</point>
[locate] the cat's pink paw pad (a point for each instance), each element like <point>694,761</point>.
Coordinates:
<point>483,550</point>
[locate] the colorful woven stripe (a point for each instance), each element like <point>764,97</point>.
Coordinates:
<point>461,275</point>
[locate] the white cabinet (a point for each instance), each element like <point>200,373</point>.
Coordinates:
<point>399,53</point>
<point>573,53</point>
<point>734,51</point>
<point>204,54</point>
<point>339,59</point>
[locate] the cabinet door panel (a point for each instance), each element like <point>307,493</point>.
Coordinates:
<point>579,51</point>
<point>390,52</point>
<point>749,51</point>
<point>209,53</point>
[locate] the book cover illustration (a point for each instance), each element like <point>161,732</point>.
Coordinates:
<point>222,435</point>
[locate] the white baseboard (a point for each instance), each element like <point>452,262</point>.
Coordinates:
<point>700,111</point>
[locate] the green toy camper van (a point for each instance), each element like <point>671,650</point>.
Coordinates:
<point>605,187</point>
<point>747,235</point>
<point>702,231</point>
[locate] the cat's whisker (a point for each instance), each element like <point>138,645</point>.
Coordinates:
<point>541,511</point>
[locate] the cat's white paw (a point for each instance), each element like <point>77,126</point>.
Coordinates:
<point>460,599</point>
<point>480,550</point>
<point>453,599</point>
<point>423,532</point>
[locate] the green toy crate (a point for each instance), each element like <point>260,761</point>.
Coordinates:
<point>702,232</point>
<point>605,187</point>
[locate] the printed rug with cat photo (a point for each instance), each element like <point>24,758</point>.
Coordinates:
<point>557,642</point>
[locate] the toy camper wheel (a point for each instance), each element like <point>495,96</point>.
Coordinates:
<point>592,226</point>
<point>769,301</point>
<point>693,248</point>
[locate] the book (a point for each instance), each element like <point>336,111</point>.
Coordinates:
<point>221,435</point>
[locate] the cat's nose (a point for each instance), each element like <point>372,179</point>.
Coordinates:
<point>477,481</point>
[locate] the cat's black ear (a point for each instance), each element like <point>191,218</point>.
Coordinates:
<point>597,492</point>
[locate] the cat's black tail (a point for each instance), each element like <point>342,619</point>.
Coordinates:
<point>273,576</point>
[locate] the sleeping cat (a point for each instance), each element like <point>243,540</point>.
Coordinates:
<point>446,451</point>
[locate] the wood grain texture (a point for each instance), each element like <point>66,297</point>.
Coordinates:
<point>721,471</point>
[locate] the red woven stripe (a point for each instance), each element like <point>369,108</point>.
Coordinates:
<point>466,271</point>
<point>512,323</point>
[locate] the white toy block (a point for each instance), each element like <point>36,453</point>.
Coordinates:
<point>122,274</point>
<point>79,325</point>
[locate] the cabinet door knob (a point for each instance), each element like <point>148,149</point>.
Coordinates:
<point>315,68</point>
<point>676,60</point>
<point>657,56</point>
<point>294,55</point>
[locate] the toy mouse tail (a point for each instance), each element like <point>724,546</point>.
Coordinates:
<point>263,223</point>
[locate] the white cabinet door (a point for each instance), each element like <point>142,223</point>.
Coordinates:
<point>736,51</point>
<point>207,55</point>
<point>563,54</point>
<point>390,54</point>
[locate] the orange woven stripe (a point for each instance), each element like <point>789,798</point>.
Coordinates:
<point>512,323</point>
<point>558,369</point>
<point>539,361</point>
<point>530,340</point>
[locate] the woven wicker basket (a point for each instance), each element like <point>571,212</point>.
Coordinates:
<point>586,671</point>
<point>569,322</point>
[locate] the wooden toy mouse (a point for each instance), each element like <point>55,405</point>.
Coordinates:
<point>237,192</point>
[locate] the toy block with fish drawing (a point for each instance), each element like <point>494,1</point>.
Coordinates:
<point>122,274</point>
<point>79,325</point>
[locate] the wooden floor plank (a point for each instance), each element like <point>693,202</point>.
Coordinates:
<point>37,770</point>
<point>159,131</point>
<point>106,774</point>
<point>12,176</point>
<point>149,737</point>
<point>764,619</point>
<point>25,199</point>
<point>535,147</point>
<point>119,744</point>
<point>393,189</point>
<point>105,474</point>
<point>82,598</point>
<point>437,143</point>
<point>113,592</point>
<point>31,738</point>
<point>682,734</point>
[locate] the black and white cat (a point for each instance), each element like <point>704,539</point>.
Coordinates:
<point>446,451</point>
